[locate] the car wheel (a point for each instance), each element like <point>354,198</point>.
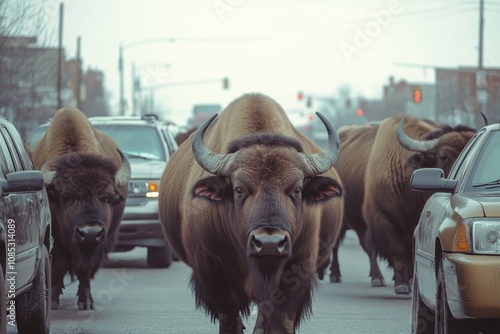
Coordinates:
<point>33,306</point>
<point>422,317</point>
<point>3,308</point>
<point>445,323</point>
<point>159,257</point>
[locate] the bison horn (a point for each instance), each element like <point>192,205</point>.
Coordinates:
<point>215,163</point>
<point>413,144</point>
<point>122,176</point>
<point>218,163</point>
<point>320,163</point>
<point>48,175</point>
<point>486,119</point>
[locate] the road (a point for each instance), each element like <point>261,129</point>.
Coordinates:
<point>131,298</point>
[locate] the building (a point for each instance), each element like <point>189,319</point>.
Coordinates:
<point>29,83</point>
<point>462,93</point>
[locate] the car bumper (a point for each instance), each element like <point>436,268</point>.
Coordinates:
<point>473,285</point>
<point>140,225</point>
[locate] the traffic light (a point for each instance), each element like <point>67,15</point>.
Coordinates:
<point>360,112</point>
<point>300,96</point>
<point>417,94</point>
<point>225,83</point>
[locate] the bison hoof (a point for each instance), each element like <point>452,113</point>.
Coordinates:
<point>402,289</point>
<point>377,282</point>
<point>321,275</point>
<point>335,279</point>
<point>85,306</point>
<point>54,305</point>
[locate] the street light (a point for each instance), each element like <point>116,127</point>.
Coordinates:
<point>121,66</point>
<point>154,78</point>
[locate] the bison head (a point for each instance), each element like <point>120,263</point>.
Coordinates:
<point>268,186</point>
<point>439,149</point>
<point>83,189</point>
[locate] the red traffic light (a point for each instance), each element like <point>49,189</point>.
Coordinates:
<point>417,95</point>
<point>360,112</point>
<point>300,96</point>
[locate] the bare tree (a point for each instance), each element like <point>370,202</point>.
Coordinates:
<point>27,70</point>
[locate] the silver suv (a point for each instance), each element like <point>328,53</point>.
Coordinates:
<point>148,144</point>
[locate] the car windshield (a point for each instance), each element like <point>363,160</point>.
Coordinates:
<point>486,174</point>
<point>35,136</point>
<point>136,141</point>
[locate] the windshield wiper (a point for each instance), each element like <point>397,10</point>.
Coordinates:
<point>491,184</point>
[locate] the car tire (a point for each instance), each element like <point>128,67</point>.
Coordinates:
<point>33,306</point>
<point>445,323</point>
<point>422,317</point>
<point>159,257</point>
<point>3,305</point>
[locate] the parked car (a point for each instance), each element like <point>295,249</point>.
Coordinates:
<point>25,238</point>
<point>148,144</point>
<point>456,244</point>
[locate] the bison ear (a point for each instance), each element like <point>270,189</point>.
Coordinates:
<point>320,188</point>
<point>211,188</point>
<point>418,160</point>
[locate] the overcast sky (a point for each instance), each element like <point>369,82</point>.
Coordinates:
<point>277,47</point>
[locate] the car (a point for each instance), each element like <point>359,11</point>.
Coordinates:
<point>25,238</point>
<point>148,144</point>
<point>456,244</point>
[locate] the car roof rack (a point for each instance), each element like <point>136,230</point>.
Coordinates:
<point>150,117</point>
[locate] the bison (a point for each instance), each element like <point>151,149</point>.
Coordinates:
<point>390,208</point>
<point>252,207</point>
<point>356,142</point>
<point>86,177</point>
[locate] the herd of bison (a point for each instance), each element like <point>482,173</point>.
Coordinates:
<point>253,206</point>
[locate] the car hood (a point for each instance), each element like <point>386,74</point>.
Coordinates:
<point>491,206</point>
<point>146,169</point>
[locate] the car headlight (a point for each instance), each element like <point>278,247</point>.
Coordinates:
<point>148,188</point>
<point>480,236</point>
<point>486,235</point>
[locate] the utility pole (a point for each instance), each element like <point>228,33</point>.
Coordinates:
<point>481,75</point>
<point>122,88</point>
<point>481,28</point>
<point>59,58</point>
<point>78,75</point>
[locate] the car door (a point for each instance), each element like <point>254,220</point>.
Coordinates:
<point>431,218</point>
<point>23,215</point>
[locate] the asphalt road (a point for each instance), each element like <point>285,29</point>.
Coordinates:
<point>131,298</point>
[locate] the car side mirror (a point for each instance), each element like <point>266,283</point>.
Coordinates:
<point>24,181</point>
<point>431,179</point>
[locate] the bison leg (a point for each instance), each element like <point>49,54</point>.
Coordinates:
<point>335,266</point>
<point>401,280</point>
<point>59,269</point>
<point>85,300</point>
<point>375,273</point>
<point>389,245</point>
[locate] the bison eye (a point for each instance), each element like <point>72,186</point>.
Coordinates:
<point>239,192</point>
<point>297,191</point>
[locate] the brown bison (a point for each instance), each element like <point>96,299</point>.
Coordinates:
<point>252,207</point>
<point>86,177</point>
<point>356,142</point>
<point>390,208</point>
